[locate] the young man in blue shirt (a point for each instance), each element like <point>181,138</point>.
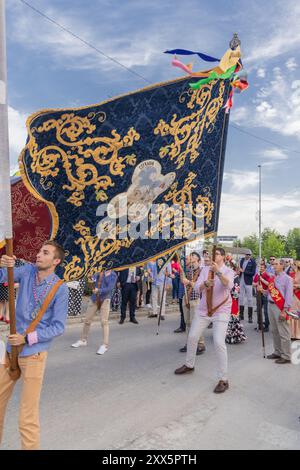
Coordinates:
<point>35,281</point>
<point>100,301</point>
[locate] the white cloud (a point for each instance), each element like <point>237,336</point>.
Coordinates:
<point>116,36</point>
<point>276,106</point>
<point>261,73</point>
<point>273,157</point>
<point>277,35</point>
<point>17,133</point>
<point>266,109</point>
<point>38,34</point>
<point>274,154</point>
<point>241,180</point>
<point>291,63</point>
<point>277,72</point>
<point>239,114</point>
<point>278,213</point>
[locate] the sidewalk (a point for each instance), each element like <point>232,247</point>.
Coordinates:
<point>140,313</point>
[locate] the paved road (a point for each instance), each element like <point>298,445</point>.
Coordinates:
<point>130,398</point>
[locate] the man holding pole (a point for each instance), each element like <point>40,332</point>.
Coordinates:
<point>43,303</point>
<point>161,280</point>
<point>218,313</point>
<point>192,298</point>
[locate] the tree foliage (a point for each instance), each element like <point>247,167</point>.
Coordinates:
<point>274,244</point>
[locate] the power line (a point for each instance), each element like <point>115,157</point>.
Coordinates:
<point>263,139</point>
<point>96,49</point>
<point>66,30</point>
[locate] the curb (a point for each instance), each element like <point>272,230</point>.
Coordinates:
<point>140,313</point>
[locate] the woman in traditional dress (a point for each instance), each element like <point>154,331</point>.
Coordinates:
<point>76,290</point>
<point>4,303</point>
<point>235,332</point>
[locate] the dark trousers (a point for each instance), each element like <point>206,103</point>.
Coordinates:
<point>139,293</point>
<point>129,294</point>
<point>175,286</point>
<point>182,322</point>
<point>264,306</point>
<point>148,294</point>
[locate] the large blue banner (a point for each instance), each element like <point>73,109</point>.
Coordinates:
<point>117,176</point>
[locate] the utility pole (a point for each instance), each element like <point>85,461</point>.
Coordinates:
<point>5,222</point>
<point>6,230</point>
<point>259,214</point>
<point>259,294</point>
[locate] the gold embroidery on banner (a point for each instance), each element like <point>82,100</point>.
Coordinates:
<point>169,221</point>
<point>201,208</point>
<point>95,252</point>
<point>79,159</point>
<point>184,195</point>
<point>188,131</point>
<point>85,152</point>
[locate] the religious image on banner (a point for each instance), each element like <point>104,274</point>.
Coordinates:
<point>133,178</point>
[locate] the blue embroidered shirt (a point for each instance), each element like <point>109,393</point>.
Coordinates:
<point>53,321</point>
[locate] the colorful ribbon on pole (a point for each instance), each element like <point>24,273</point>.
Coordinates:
<point>237,76</point>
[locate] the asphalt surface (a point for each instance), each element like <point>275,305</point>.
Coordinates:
<point>130,398</point>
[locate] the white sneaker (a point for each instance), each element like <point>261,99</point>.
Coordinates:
<point>80,342</point>
<point>102,349</point>
<point>148,305</point>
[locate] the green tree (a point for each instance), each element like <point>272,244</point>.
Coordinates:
<point>273,243</point>
<point>251,242</point>
<point>237,243</point>
<point>293,243</point>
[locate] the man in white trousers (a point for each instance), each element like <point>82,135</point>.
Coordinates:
<point>218,313</point>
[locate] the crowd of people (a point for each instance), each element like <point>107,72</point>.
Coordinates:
<point>209,293</point>
<point>147,286</point>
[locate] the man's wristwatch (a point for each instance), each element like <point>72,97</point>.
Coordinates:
<point>26,339</point>
<point>218,273</point>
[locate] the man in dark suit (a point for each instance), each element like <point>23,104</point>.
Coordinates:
<point>247,272</point>
<point>128,280</point>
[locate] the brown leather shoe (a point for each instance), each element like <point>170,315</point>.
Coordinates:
<point>282,361</point>
<point>183,370</point>
<point>200,350</point>
<point>273,356</point>
<point>221,386</point>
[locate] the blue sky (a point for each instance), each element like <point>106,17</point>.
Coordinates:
<point>49,68</point>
